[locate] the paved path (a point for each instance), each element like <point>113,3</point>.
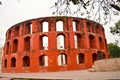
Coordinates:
<point>74,75</point>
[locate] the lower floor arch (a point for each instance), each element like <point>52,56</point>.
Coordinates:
<point>60,60</point>
<point>43,60</point>
<point>98,55</point>
<point>5,63</point>
<point>26,61</point>
<point>13,62</point>
<point>80,58</point>
<point>94,57</point>
<point>101,55</point>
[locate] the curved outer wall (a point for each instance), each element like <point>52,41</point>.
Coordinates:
<point>30,47</point>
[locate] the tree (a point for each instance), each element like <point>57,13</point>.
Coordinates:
<point>0,3</point>
<point>97,10</point>
<point>94,9</point>
<point>114,50</point>
<point>115,30</point>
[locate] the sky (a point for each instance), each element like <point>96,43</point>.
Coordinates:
<point>15,11</point>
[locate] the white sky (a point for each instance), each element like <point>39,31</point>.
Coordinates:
<point>15,11</point>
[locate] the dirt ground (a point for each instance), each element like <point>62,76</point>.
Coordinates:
<point>73,75</point>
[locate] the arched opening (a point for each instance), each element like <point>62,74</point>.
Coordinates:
<point>78,41</point>
<point>15,46</point>
<point>9,34</point>
<point>7,48</point>
<point>88,27</point>
<point>94,57</point>
<point>101,55</point>
<point>75,25</point>
<point>92,41</point>
<point>13,62</point>
<point>27,44</point>
<point>60,42</point>
<point>26,61</point>
<point>80,58</point>
<point>28,28</point>
<point>5,63</point>
<point>43,60</point>
<point>45,26</point>
<point>62,59</point>
<point>101,43</point>
<point>16,32</point>
<point>59,26</point>
<point>98,29</point>
<point>43,42</point>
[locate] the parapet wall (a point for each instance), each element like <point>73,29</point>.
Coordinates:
<point>53,44</point>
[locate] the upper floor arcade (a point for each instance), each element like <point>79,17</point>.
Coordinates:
<point>56,24</point>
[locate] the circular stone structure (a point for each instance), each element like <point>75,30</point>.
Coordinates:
<point>50,44</point>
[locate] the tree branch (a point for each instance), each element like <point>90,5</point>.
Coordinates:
<point>115,7</point>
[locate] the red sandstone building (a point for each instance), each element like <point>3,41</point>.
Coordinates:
<point>53,44</point>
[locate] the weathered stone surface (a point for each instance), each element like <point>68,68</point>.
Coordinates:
<point>107,65</point>
<point>91,70</point>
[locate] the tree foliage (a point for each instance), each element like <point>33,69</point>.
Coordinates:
<point>0,3</point>
<point>94,9</point>
<point>115,30</point>
<point>114,50</point>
